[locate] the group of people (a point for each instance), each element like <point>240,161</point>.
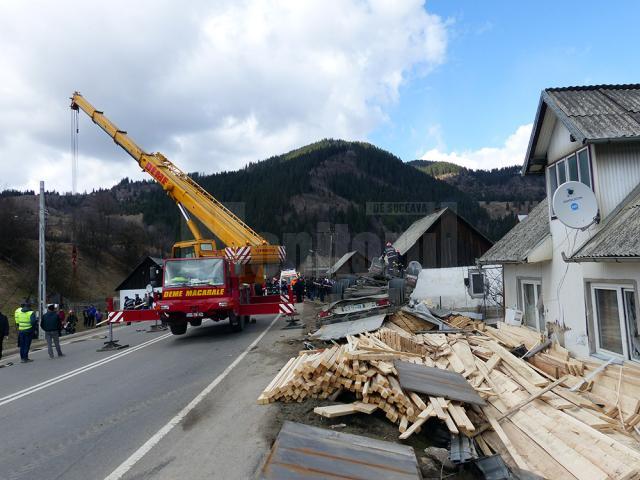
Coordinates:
<point>55,322</point>
<point>27,325</point>
<point>139,303</point>
<point>312,288</point>
<point>91,316</point>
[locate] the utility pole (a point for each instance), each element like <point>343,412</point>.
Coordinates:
<point>42,270</point>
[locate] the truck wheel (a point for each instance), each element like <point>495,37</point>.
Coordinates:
<point>236,322</point>
<point>196,323</point>
<point>178,329</point>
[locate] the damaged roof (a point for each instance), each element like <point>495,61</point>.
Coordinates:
<point>415,231</point>
<point>341,261</point>
<point>619,237</point>
<point>519,242</point>
<point>592,114</point>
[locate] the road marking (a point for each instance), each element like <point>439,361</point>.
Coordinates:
<point>77,371</point>
<point>125,466</point>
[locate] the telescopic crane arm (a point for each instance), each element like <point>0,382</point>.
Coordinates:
<point>190,197</point>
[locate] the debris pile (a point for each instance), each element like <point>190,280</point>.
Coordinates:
<point>548,414</point>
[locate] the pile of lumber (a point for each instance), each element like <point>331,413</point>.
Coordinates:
<point>532,416</point>
<point>410,323</point>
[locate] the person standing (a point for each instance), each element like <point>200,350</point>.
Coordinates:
<point>51,326</point>
<point>25,319</point>
<point>4,330</point>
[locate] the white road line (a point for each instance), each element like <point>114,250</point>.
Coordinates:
<point>77,371</point>
<point>125,466</point>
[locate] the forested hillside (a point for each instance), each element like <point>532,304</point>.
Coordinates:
<point>331,181</point>
<point>495,185</point>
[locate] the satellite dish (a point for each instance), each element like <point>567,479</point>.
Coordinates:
<point>575,205</point>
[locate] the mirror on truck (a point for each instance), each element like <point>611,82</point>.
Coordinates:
<point>154,276</point>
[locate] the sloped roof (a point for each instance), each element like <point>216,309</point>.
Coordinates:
<point>341,261</point>
<point>418,228</point>
<point>518,243</point>
<point>592,114</point>
<point>619,237</point>
<point>156,260</point>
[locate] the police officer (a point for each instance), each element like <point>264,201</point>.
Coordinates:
<point>25,319</point>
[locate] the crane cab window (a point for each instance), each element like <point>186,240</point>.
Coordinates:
<point>184,252</point>
<point>206,247</point>
<point>189,273</point>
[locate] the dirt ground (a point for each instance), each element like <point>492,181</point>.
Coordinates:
<point>375,425</point>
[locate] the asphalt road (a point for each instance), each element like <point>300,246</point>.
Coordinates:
<point>81,416</point>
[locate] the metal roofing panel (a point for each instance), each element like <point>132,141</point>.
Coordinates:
<point>334,331</point>
<point>436,382</point>
<point>305,452</point>
<point>516,245</point>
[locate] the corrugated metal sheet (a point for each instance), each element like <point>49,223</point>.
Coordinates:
<point>619,237</point>
<point>516,245</point>
<point>415,231</point>
<point>302,452</point>
<point>618,172</point>
<point>334,331</point>
<point>436,382</point>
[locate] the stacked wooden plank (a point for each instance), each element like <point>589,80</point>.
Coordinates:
<point>531,417</point>
<point>410,323</point>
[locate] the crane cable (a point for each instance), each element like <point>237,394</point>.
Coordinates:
<point>74,150</point>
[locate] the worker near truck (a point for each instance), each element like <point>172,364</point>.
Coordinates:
<point>25,319</point>
<point>52,326</point>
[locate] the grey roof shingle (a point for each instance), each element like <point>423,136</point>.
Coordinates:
<point>518,243</point>
<point>592,114</point>
<point>602,111</point>
<point>619,237</point>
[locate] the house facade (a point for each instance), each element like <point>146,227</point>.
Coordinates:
<point>581,284</point>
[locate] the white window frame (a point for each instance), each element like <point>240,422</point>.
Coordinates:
<point>564,164</point>
<point>624,334</point>
<point>537,291</point>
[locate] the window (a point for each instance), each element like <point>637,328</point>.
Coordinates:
<point>476,283</point>
<point>189,273</point>
<point>531,303</point>
<point>616,322</point>
<point>576,167</point>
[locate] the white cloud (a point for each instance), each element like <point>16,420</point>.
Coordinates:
<point>212,85</point>
<point>512,152</point>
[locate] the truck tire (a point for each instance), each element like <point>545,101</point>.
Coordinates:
<point>178,328</point>
<point>236,322</point>
<point>196,323</point>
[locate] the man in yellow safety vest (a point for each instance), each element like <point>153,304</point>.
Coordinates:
<point>25,319</point>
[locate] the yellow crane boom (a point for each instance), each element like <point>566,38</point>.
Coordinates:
<point>189,196</point>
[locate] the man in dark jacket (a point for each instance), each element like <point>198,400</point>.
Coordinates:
<point>51,326</point>
<point>4,330</point>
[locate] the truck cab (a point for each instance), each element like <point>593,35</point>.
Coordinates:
<point>197,288</point>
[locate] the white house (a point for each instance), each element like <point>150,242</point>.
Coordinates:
<point>584,282</point>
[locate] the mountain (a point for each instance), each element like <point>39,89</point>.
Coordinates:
<point>496,185</point>
<point>328,181</point>
<point>331,182</point>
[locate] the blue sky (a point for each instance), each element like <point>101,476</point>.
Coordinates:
<point>216,84</point>
<point>500,55</point>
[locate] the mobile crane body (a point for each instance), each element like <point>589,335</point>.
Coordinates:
<point>201,280</point>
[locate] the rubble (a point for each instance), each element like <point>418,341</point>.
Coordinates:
<point>528,415</point>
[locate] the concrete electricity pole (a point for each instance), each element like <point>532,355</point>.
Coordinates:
<point>42,271</point>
